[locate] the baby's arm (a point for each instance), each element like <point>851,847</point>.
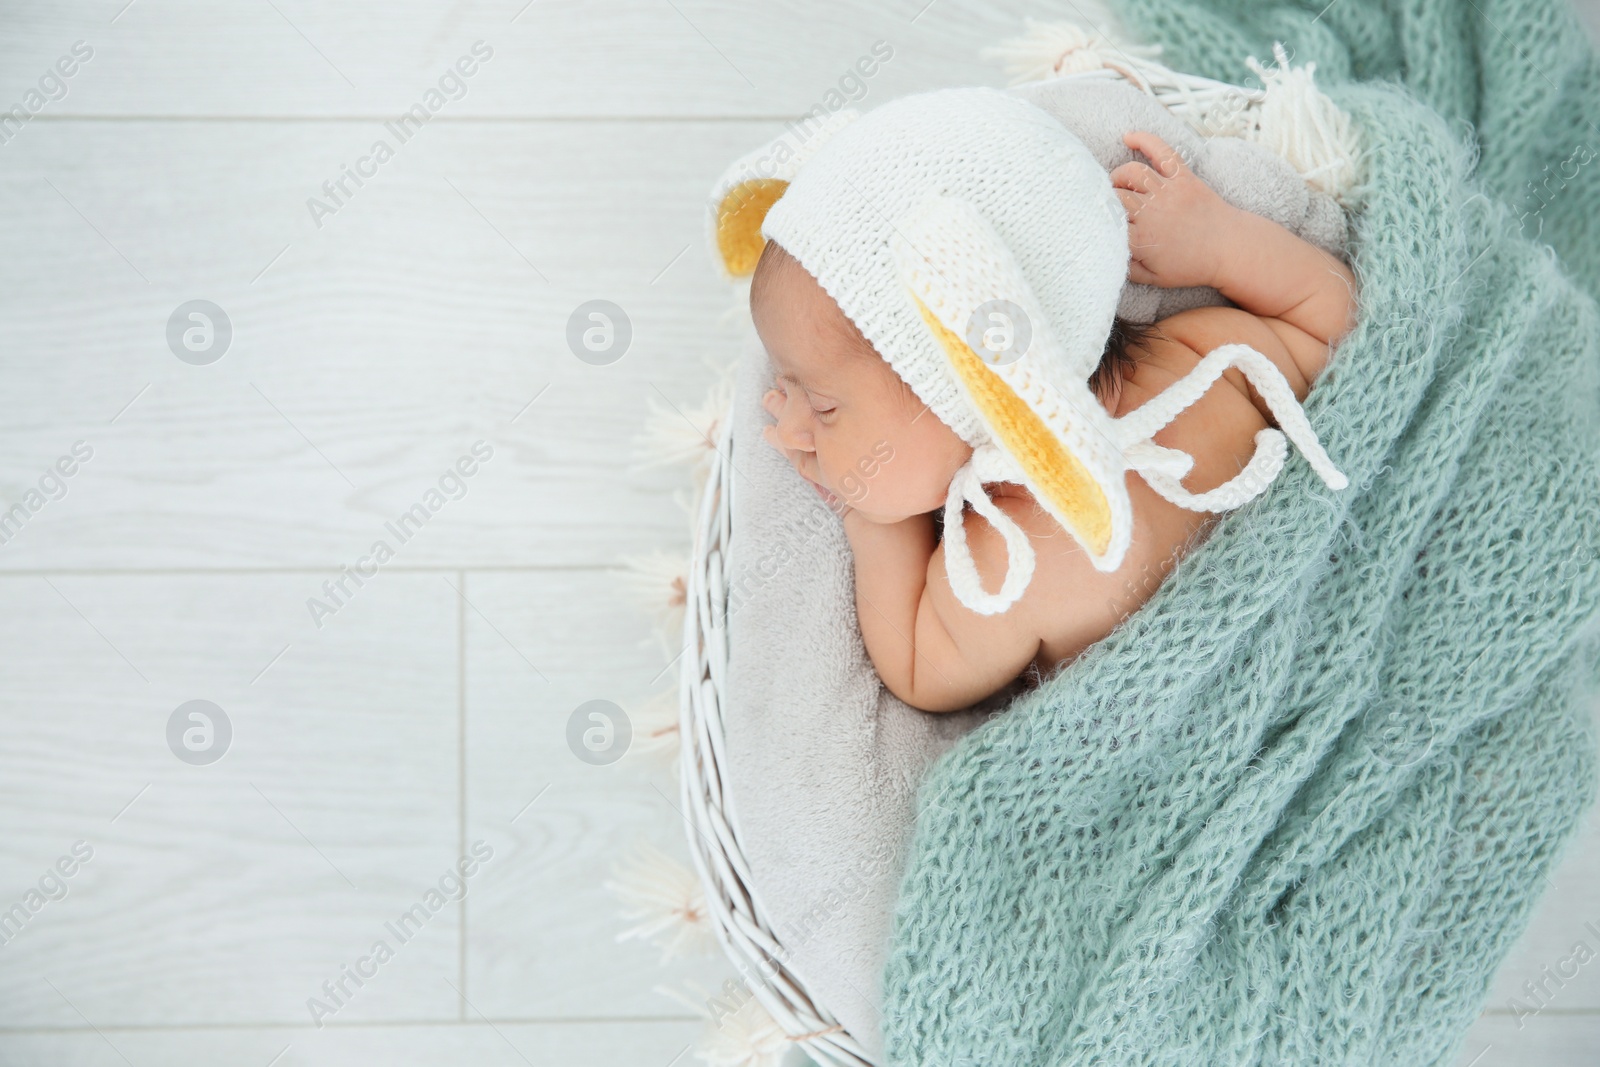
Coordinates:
<point>1305,295</point>
<point>929,650</point>
<point>1182,233</point>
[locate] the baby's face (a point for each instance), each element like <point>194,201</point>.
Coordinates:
<point>844,418</point>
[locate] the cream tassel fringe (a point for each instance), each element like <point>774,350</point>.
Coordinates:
<point>675,434</point>
<point>1051,49</point>
<point>664,900</point>
<point>739,1032</point>
<point>1289,115</point>
<point>686,435</point>
<point>1303,126</point>
<point>655,728</point>
<point>657,583</point>
<point>657,580</point>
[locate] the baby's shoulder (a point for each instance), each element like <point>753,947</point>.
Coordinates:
<point>1181,340</point>
<point>1219,429</point>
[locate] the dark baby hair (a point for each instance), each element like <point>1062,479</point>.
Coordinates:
<point>1118,359</point>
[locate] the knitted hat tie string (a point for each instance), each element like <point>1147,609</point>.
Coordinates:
<point>988,464</point>
<point>1162,468</point>
<point>1137,429</point>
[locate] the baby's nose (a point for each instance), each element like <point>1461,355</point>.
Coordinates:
<point>773,403</point>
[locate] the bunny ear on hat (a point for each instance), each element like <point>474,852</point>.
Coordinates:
<point>1032,397</point>
<point>749,187</point>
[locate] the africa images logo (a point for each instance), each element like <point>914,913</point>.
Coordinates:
<point>453,484</point>
<point>452,85</point>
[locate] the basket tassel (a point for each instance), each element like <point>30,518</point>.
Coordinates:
<point>663,899</point>
<point>739,1032</point>
<point>1052,49</point>
<point>673,434</point>
<point>658,582</point>
<point>655,728</point>
<point>1300,123</point>
<point>1289,115</point>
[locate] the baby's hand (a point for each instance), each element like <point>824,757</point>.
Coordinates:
<point>1178,230</point>
<point>773,402</point>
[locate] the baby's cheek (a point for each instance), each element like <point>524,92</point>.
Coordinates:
<point>850,486</point>
<point>871,483</point>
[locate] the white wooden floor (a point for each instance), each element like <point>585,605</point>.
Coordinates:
<point>428,711</point>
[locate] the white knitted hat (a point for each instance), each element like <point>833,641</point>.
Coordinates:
<point>980,248</point>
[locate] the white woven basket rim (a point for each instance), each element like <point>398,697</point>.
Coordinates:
<point>741,924</point>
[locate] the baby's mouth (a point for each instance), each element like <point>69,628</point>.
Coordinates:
<point>827,496</point>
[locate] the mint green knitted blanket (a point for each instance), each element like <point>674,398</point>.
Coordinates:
<point>1297,808</point>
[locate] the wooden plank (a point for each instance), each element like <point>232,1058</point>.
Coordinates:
<point>1554,1040</point>
<point>541,938</point>
<point>496,1043</point>
<point>226,892</point>
<point>1589,15</point>
<point>1567,916</point>
<point>425,316</point>
<point>549,58</point>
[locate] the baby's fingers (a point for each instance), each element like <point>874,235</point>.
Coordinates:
<point>772,402</point>
<point>1131,202</point>
<point>1163,157</point>
<point>1135,177</point>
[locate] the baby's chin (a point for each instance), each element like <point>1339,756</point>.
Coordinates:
<point>889,516</point>
<point>881,519</point>
<point>888,504</point>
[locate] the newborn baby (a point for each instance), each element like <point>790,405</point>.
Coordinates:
<point>854,429</point>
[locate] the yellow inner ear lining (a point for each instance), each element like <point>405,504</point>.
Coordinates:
<point>739,219</point>
<point>1053,469</point>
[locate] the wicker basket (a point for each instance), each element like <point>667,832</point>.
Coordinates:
<point>741,925</point>
<point>1312,136</point>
